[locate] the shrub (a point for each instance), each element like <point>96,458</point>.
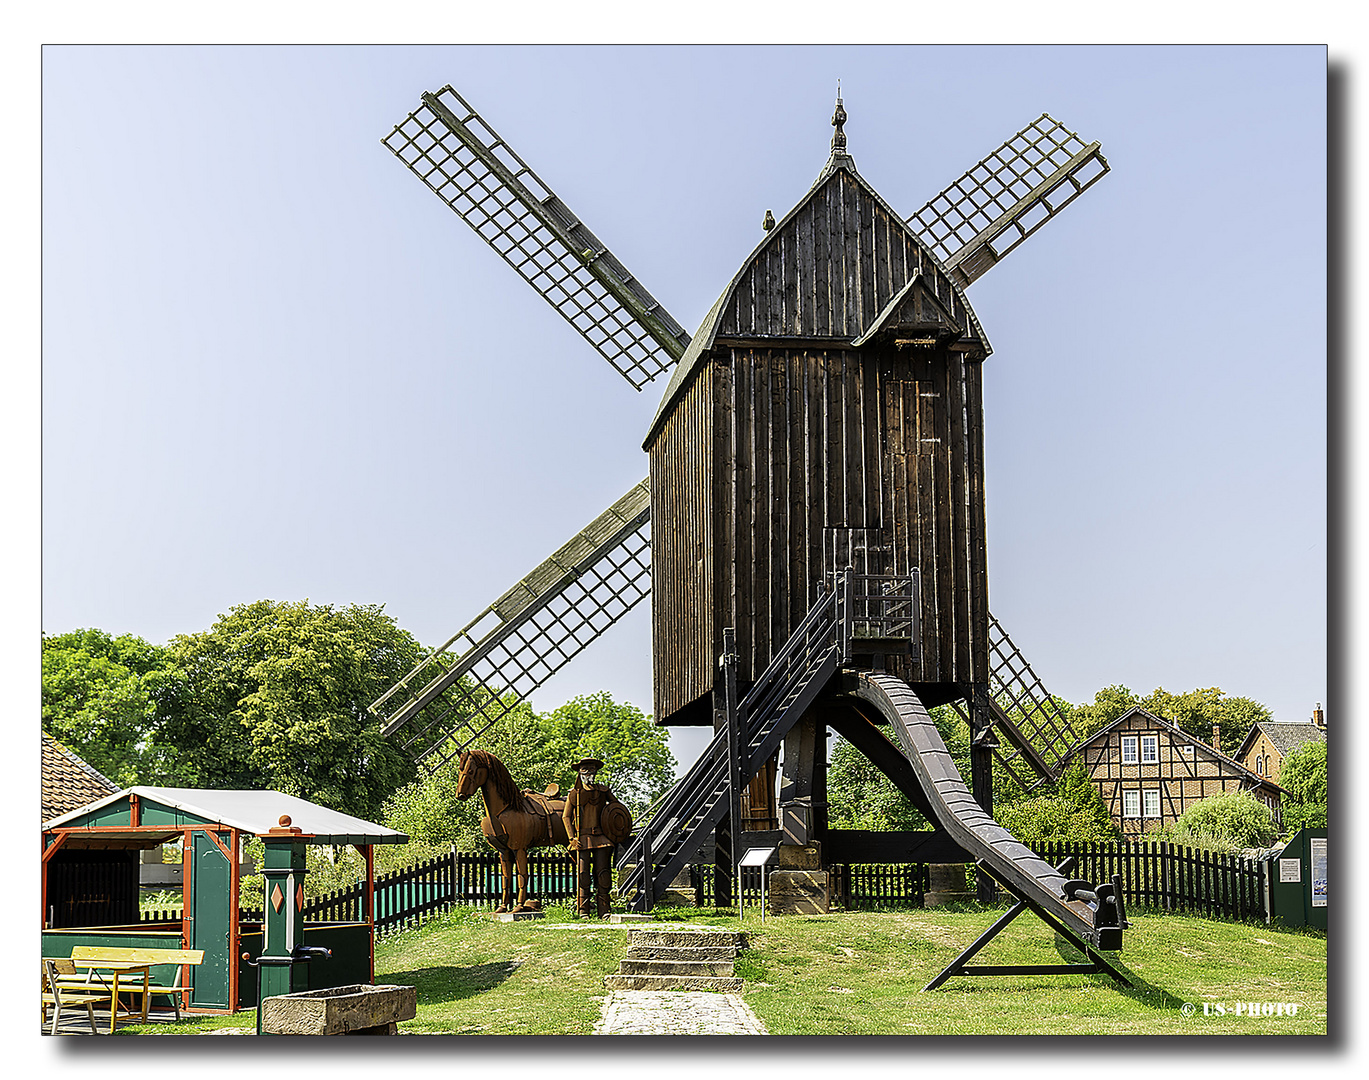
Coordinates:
<point>1054,818</point>
<point>1303,776</point>
<point>1235,817</point>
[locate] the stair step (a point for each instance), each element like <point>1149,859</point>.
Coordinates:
<point>713,938</point>
<point>723,983</point>
<point>682,952</point>
<point>675,967</point>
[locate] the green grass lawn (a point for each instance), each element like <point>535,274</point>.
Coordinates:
<point>861,973</point>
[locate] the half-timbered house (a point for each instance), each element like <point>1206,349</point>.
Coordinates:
<point>1150,771</point>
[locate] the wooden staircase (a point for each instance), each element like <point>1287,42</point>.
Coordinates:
<point>679,960</point>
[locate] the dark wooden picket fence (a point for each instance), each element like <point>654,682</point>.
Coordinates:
<point>1171,877</point>
<point>1158,875</point>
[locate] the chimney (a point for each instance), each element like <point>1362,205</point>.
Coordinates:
<point>1216,737</point>
<point>1318,717</point>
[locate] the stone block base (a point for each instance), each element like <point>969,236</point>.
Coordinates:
<point>948,883</point>
<point>792,857</point>
<point>798,892</point>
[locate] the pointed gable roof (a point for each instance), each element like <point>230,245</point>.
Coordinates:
<point>828,271</point>
<point>1175,730</point>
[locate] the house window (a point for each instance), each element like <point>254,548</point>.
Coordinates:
<point>1131,804</point>
<point>1129,750</point>
<point>1259,766</point>
<point>1152,798</point>
<point>1186,749</point>
<point>1150,749</point>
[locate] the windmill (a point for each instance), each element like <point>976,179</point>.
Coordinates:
<point>899,302</point>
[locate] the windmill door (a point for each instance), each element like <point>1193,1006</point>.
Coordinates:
<point>210,921</point>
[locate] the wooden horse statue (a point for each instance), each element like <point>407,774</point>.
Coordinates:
<point>514,820</point>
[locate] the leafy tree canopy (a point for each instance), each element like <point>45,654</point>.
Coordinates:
<point>276,695</point>
<point>1303,776</point>
<point>1193,711</point>
<point>104,697</point>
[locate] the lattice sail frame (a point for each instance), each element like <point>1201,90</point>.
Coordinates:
<point>463,160</point>
<point>1005,198</point>
<point>485,670</point>
<point>1039,734</point>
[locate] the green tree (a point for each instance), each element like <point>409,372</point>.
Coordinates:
<point>276,695</point>
<point>1236,818</point>
<point>1052,817</point>
<point>859,796</point>
<point>105,698</point>
<point>638,764</point>
<point>1075,787</point>
<point>1107,705</point>
<point>1303,776</point>
<point>1198,711</point>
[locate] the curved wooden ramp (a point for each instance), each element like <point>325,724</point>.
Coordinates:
<point>1091,915</point>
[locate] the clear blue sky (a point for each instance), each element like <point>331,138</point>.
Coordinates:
<point>275,365</point>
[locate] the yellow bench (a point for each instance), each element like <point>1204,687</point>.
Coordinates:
<point>94,957</point>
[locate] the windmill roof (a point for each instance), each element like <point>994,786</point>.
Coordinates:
<point>701,344</point>
<point>253,811</point>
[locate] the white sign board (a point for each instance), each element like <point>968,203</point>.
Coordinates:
<point>1318,871</point>
<point>757,856</point>
<point>1290,869</point>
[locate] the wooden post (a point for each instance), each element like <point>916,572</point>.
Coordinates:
<point>736,763</point>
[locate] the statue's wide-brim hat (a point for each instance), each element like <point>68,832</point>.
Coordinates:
<point>587,763</point>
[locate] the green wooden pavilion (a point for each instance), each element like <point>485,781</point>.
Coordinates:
<point>90,888</point>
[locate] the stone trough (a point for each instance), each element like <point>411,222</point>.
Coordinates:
<point>358,1009</point>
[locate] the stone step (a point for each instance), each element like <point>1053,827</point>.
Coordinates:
<point>675,967</point>
<point>682,952</point>
<point>673,982</point>
<point>712,938</point>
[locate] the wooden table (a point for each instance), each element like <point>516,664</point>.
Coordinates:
<point>115,976</point>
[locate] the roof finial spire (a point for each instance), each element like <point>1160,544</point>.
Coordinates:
<point>839,118</point>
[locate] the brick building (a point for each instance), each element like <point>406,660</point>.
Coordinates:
<point>1268,744</point>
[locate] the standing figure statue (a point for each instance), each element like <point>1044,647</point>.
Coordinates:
<point>596,822</point>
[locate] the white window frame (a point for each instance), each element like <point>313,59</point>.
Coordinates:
<point>1131,804</point>
<point>1150,749</point>
<point>1151,798</point>
<point>1129,743</point>
<point>1186,749</point>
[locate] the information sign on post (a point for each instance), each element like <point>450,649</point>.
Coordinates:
<point>757,856</point>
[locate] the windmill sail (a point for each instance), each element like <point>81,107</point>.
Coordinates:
<point>460,157</point>
<point>495,662</point>
<point>1038,732</point>
<point>1008,196</point>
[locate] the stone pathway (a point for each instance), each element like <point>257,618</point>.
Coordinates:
<point>677,1012</point>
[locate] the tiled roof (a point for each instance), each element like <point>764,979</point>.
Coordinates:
<point>1287,737</point>
<point>68,782</point>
